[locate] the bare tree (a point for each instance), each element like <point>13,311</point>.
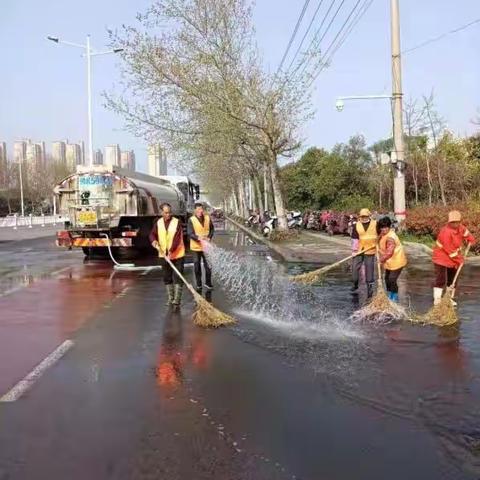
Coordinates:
<point>194,81</point>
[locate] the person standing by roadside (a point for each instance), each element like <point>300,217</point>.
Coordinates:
<point>199,229</point>
<point>392,256</point>
<point>447,256</point>
<point>167,237</point>
<point>364,239</point>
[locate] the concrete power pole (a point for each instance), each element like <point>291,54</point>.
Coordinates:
<point>397,100</point>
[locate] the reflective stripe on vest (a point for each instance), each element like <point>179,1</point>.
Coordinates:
<point>367,239</point>
<point>165,239</point>
<point>398,259</point>
<point>200,231</point>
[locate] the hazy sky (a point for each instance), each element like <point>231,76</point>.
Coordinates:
<point>43,85</point>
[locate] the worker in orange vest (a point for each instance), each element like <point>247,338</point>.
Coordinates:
<point>167,237</point>
<point>364,239</point>
<point>447,256</point>
<point>392,256</point>
<point>200,229</point>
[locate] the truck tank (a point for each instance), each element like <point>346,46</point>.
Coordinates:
<point>115,201</point>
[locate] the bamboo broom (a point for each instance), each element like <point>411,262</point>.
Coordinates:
<point>205,315</point>
<point>314,276</point>
<point>380,307</point>
<point>444,313</point>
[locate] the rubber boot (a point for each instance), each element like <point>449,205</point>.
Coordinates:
<point>370,286</point>
<point>354,287</point>
<point>452,295</point>
<point>394,297</point>
<point>177,300</point>
<point>170,295</point>
<point>437,295</point>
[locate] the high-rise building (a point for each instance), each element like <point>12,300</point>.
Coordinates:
<point>98,157</point>
<point>82,154</point>
<point>20,151</point>
<point>73,155</point>
<point>59,152</point>
<point>34,162</point>
<point>3,165</point>
<point>157,160</point>
<point>35,154</point>
<point>112,156</point>
<point>128,160</point>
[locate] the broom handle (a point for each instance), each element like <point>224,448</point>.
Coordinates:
<point>459,269</point>
<point>343,260</point>
<point>182,278</point>
<point>379,266</point>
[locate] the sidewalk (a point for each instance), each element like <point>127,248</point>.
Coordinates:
<point>8,234</point>
<point>313,247</point>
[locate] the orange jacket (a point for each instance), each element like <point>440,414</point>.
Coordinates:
<point>447,251</point>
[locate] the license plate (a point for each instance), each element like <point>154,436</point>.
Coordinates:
<point>87,218</point>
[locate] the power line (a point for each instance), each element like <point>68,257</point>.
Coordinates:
<point>292,38</point>
<point>441,36</point>
<point>305,35</point>
<point>356,19</point>
<point>315,39</point>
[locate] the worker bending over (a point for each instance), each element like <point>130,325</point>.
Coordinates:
<point>392,256</point>
<point>200,229</point>
<point>447,256</point>
<point>167,237</point>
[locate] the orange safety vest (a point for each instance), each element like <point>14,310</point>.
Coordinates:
<point>200,230</point>
<point>165,239</point>
<point>398,259</point>
<point>367,239</point>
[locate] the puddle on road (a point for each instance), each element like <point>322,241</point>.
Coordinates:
<point>425,375</point>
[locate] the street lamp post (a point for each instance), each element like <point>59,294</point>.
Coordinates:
<point>21,186</point>
<point>89,53</point>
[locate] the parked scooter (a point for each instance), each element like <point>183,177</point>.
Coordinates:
<point>269,225</point>
<point>294,220</point>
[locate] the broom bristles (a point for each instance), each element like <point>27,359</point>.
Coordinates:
<point>442,315</point>
<point>381,309</point>
<point>207,316</point>
<point>309,278</point>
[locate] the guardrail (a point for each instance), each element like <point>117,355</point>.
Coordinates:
<point>31,221</point>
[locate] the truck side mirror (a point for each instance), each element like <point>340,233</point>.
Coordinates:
<point>197,192</point>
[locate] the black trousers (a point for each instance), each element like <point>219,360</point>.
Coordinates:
<point>369,261</point>
<point>391,277</point>
<point>443,276</point>
<point>169,276</point>
<point>197,259</point>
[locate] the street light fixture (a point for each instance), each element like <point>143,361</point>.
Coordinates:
<point>89,53</point>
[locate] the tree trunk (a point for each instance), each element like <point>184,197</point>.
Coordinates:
<point>415,181</point>
<point>258,194</point>
<point>235,204</point>
<point>265,185</point>
<point>243,200</point>
<point>441,184</point>
<point>429,181</point>
<point>277,194</point>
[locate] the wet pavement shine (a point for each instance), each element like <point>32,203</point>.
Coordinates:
<point>295,390</point>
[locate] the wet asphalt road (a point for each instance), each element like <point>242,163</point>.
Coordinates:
<point>145,395</point>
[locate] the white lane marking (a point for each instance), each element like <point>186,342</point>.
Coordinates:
<point>23,385</point>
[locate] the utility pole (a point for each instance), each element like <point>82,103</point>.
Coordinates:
<point>398,154</point>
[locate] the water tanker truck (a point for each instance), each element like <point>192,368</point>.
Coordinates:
<point>101,200</point>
